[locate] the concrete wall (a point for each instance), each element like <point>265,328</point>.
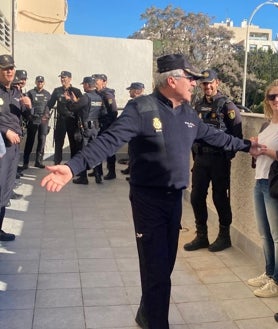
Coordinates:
<point>122,60</point>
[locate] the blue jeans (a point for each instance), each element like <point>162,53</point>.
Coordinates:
<point>266,210</point>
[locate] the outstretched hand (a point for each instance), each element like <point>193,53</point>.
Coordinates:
<point>59,176</point>
<point>256,149</point>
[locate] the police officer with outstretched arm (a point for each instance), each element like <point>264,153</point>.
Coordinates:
<point>160,128</point>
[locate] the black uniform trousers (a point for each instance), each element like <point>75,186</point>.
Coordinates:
<point>214,168</point>
<point>156,215</point>
<point>64,125</point>
<point>8,169</point>
<point>32,130</point>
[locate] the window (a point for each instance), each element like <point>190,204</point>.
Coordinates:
<point>5,32</point>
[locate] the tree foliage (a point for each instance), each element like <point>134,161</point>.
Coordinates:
<point>172,30</point>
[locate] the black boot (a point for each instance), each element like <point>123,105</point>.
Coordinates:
<point>81,180</point>
<point>200,241</point>
<point>141,318</point>
<point>111,172</point>
<point>98,178</point>
<point>38,162</point>
<point>222,241</point>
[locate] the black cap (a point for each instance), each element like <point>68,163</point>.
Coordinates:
<point>89,80</point>
<point>136,85</point>
<point>21,74</point>
<point>65,74</point>
<point>6,61</point>
<point>174,62</point>
<point>40,78</point>
<point>99,76</point>
<point>209,76</point>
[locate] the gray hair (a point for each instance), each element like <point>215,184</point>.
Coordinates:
<point>161,78</point>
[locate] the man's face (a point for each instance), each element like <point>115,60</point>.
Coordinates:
<point>133,93</point>
<point>65,81</point>
<point>99,84</point>
<point>22,83</point>
<point>40,84</point>
<point>183,86</point>
<point>7,76</point>
<point>210,88</point>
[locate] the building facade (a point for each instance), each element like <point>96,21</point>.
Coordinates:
<point>259,38</point>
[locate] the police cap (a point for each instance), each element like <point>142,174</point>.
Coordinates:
<point>136,85</point>
<point>65,74</point>
<point>99,76</point>
<point>174,62</point>
<point>39,78</point>
<point>209,76</point>
<point>21,74</point>
<point>6,61</point>
<point>89,80</point>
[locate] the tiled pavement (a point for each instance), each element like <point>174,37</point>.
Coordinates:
<point>74,265</point>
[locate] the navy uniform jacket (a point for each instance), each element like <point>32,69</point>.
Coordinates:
<point>110,114</point>
<point>58,96</point>
<point>160,140</point>
<point>39,101</point>
<point>11,111</point>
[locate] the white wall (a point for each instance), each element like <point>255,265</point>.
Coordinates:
<point>122,60</point>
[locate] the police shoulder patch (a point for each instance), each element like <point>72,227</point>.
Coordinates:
<point>157,124</point>
<point>231,114</point>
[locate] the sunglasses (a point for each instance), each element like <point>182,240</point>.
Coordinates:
<point>188,77</point>
<point>272,97</point>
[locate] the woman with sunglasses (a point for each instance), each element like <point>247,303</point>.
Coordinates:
<point>266,207</point>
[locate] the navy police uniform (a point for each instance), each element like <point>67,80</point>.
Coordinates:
<point>37,123</point>
<point>65,121</point>
<point>213,164</point>
<point>88,109</point>
<point>11,112</point>
<point>107,117</point>
<point>160,140</point>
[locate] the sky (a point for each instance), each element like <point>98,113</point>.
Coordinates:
<point>120,19</point>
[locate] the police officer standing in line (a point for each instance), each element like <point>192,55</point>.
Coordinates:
<point>135,89</point>
<point>12,106</point>
<point>37,123</point>
<point>88,109</point>
<point>160,128</point>
<point>107,118</point>
<point>65,121</point>
<point>213,164</point>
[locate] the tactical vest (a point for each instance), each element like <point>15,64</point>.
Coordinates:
<point>96,105</point>
<point>39,101</point>
<point>212,113</point>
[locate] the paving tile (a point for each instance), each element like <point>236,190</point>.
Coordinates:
<point>18,282</point>
<point>58,280</point>
<point>101,279</point>
<point>16,319</point>
<point>109,316</point>
<point>17,299</point>
<point>68,297</point>
<point>62,318</point>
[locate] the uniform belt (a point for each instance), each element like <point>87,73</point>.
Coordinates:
<point>202,149</point>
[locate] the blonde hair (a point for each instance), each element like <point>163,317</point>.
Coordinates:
<point>268,112</point>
